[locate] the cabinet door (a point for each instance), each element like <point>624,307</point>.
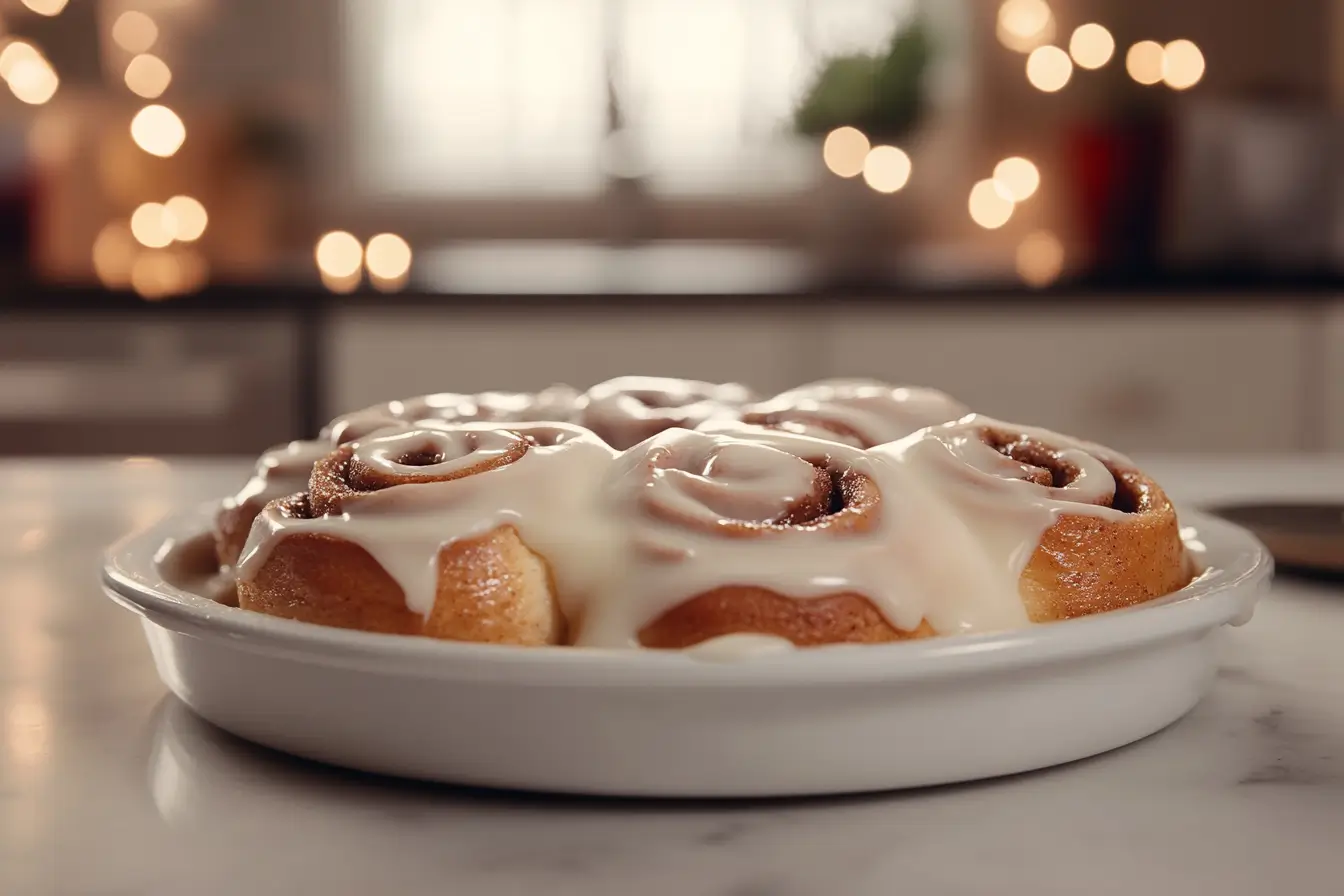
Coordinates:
<point>374,356</point>
<point>1334,379</point>
<point>1187,378</point>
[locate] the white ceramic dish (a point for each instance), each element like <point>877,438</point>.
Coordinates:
<point>644,723</point>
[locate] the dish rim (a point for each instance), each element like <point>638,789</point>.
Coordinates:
<point>1240,567</point>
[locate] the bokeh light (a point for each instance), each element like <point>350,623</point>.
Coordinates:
<point>388,257</point>
<point>1017,178</point>
<point>886,168</point>
<point>189,218</point>
<point>988,206</point>
<point>158,131</point>
<point>1049,69</point>
<point>844,151</point>
<point>33,80</point>
<point>346,284</point>
<point>156,275</point>
<point>46,7</point>
<point>1040,258</point>
<point>148,76</point>
<point>134,31</point>
<point>113,254</point>
<point>1024,25</point>
<point>153,225</point>
<point>1091,46</point>
<point>1182,64</point>
<point>16,51</point>
<point>339,254</point>
<point>52,137</point>
<point>1143,62</point>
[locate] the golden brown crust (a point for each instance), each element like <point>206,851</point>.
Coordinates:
<point>491,589</point>
<point>807,622</point>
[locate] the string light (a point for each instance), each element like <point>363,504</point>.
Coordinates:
<point>1144,62</point>
<point>148,76</point>
<point>1040,258</point>
<point>988,206</point>
<point>388,257</point>
<point>886,168</point>
<point>46,7</point>
<point>339,255</point>
<point>158,131</point>
<point>189,218</point>
<point>153,225</point>
<point>1016,178</point>
<point>1182,64</point>
<point>844,151</point>
<point>1024,25</point>
<point>1091,46</point>
<point>1049,69</point>
<point>134,31</point>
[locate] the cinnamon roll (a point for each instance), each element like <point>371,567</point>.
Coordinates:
<point>557,404</point>
<point>468,532</point>
<point>629,409</point>
<point>1080,529</point>
<point>281,471</point>
<point>776,534</point>
<point>862,413</point>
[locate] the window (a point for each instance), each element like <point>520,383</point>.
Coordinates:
<point>547,98</point>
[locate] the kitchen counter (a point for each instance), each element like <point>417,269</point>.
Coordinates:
<point>108,785</point>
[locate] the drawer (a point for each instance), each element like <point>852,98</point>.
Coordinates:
<point>1193,378</point>
<point>375,356</point>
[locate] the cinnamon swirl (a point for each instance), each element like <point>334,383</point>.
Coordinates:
<point>1078,527</point>
<point>629,409</point>
<point>281,471</point>
<point>783,535</point>
<point>557,404</point>
<point>862,413</point>
<point>464,532</point>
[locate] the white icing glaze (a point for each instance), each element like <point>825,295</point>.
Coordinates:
<point>736,648</point>
<point>281,471</point>
<point>550,493</point>
<point>557,403</point>
<point>671,494</point>
<point>861,413</point>
<point>629,409</point>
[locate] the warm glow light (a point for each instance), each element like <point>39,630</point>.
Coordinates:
<point>1040,258</point>
<point>1049,69</point>
<point>1091,45</point>
<point>1182,64</point>
<point>113,254</point>
<point>339,254</point>
<point>190,218</point>
<point>148,76</point>
<point>1016,178</point>
<point>1144,62</point>
<point>158,131</point>
<point>989,207</point>
<point>844,151</point>
<point>1024,25</point>
<point>15,52</point>
<point>46,7</point>
<point>388,257</point>
<point>134,31</point>
<point>156,275</point>
<point>886,169</point>
<point>33,81</point>
<point>153,225</point>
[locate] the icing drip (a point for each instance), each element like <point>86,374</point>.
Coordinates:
<point>706,510</point>
<point>409,493</point>
<point>629,409</point>
<point>857,412</point>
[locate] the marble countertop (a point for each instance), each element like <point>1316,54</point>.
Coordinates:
<point>109,786</point>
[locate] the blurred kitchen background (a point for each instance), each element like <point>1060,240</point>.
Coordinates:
<point>224,221</point>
